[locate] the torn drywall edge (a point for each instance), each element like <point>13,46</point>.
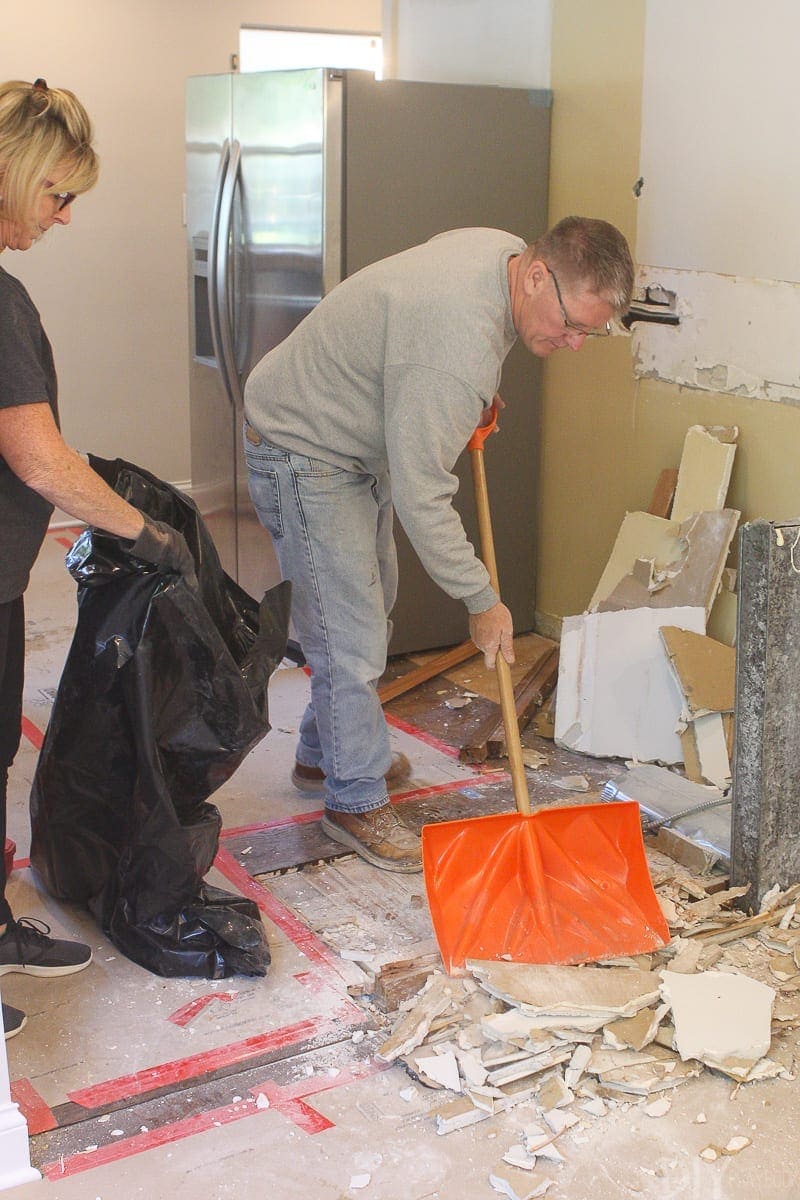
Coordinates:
<point>641,537</point>
<point>704,473</point>
<point>736,335</point>
<point>695,580</point>
<point>616,694</point>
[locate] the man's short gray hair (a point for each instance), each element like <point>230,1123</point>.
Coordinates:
<point>589,253</point>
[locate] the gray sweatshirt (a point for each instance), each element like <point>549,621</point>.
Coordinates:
<point>393,369</point>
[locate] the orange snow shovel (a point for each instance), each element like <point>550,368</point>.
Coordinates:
<point>560,885</point>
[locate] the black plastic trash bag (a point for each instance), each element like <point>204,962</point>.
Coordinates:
<point>163,694</point>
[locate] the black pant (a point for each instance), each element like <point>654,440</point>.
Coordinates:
<point>12,673</point>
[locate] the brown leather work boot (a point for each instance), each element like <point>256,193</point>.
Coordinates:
<point>378,836</point>
<point>311,780</point>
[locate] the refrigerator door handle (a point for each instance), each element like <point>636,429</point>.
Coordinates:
<point>213,254</point>
<point>221,268</point>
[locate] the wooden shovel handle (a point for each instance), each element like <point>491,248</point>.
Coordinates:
<point>507,705</point>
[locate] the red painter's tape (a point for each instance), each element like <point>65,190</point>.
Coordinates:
<point>279,823</point>
<point>151,1079</point>
<point>303,938</point>
<point>34,1108</point>
<point>32,733</point>
<point>291,1100</point>
<point>452,785</point>
<point>286,1101</point>
<point>182,1016</point>
<point>127,1147</point>
<point>304,1116</point>
<point>422,736</point>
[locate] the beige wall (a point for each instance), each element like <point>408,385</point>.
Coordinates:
<point>606,435</point>
<point>588,407</point>
<point>112,288</point>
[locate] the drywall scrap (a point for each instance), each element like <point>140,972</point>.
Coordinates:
<point>704,668</point>
<point>722,1020</point>
<point>705,671</point>
<point>705,470</point>
<point>567,1046</point>
<point>666,564</point>
<point>616,694</point>
<point>555,996</point>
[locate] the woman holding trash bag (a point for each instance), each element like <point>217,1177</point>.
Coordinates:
<point>46,162</point>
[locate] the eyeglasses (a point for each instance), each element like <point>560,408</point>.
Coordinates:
<point>63,198</point>
<point>604,331</point>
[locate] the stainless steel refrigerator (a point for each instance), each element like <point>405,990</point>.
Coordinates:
<point>296,179</point>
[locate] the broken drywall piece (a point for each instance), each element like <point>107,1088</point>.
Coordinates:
<point>572,783</point>
<point>557,1120</point>
<point>709,906</point>
<point>517,1156</point>
<point>687,566</point>
<point>634,1033</point>
<point>472,1069</point>
<point>525,1067</point>
<point>687,958</point>
<point>658,1108</point>
<point>712,749</point>
<point>736,1144</point>
<point>509,1026</point>
<point>504,1187</point>
<point>534,759</point>
<point>557,997</point>
<point>617,696</point>
<point>705,470</point>
<point>434,999</point>
<point>458,1114</point>
<point>577,1065</point>
<point>704,668</point>
<point>641,1073</point>
<point>442,1069</point>
<point>541,1143</point>
<point>722,1020</point>
<point>554,1093</point>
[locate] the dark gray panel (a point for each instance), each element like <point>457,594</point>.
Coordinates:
<point>766,784</point>
<point>422,158</point>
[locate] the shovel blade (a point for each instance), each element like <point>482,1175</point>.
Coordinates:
<point>563,885</point>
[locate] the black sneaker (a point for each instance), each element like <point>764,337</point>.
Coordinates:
<point>25,947</point>
<point>13,1020</point>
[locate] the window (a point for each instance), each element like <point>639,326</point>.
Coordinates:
<point>288,49</point>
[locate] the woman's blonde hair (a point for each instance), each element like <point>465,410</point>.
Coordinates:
<point>41,129</point>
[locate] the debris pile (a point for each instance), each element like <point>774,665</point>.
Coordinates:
<point>575,1043</point>
<point>642,640</point>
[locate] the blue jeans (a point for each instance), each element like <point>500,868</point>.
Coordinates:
<point>332,533</point>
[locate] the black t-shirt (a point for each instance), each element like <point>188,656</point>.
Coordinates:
<point>27,376</point>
